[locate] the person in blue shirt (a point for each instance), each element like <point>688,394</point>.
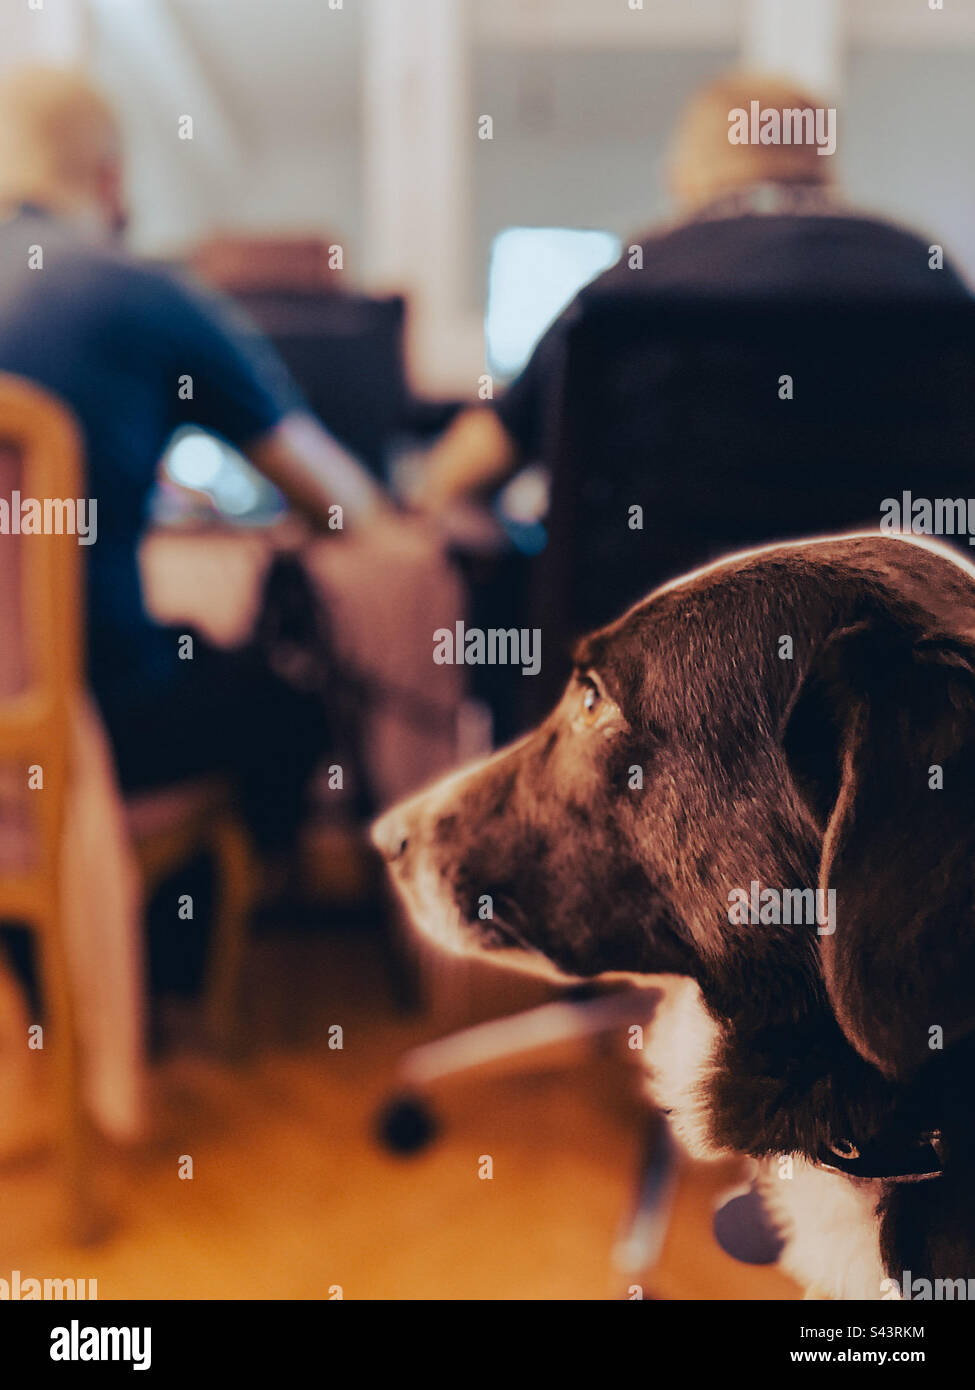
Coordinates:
<point>114,338</point>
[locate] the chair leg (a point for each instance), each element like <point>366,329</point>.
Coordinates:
<point>235,896</point>
<point>507,1039</point>
<point>83,1217</point>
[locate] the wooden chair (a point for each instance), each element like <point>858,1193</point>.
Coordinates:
<point>41,678</point>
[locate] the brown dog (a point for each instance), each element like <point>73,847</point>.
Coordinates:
<point>796,718</point>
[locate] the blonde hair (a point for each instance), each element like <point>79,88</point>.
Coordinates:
<point>57,135</point>
<point>704,164</point>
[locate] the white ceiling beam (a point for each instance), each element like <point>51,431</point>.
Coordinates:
<point>420,139</point>
<point>800,39</point>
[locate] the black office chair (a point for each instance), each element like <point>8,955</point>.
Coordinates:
<point>407,1124</point>
<point>673,406</point>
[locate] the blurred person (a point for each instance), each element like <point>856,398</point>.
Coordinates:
<point>752,219</point>
<point>116,339</point>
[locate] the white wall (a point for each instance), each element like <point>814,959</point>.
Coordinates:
<point>907,140</point>
<point>54,33</point>
<point>579,138</point>
<point>295,132</point>
<point>274,93</point>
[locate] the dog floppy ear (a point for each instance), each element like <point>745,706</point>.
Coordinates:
<point>880,742</point>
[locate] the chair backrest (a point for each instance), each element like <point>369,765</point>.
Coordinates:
<point>681,408</point>
<point>41,624</point>
<point>40,574</point>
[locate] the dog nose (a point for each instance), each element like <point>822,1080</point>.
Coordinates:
<point>389,836</point>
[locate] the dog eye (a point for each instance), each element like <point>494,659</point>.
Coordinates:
<point>591,705</point>
<point>591,699</point>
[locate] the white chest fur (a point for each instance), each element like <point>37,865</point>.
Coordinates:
<point>828,1221</point>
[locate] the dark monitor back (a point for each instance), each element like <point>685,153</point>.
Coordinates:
<point>346,354</point>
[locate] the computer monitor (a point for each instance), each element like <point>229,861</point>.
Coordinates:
<point>532,275</point>
<point>210,467</point>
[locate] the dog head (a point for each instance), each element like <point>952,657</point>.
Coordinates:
<point>796,718</point>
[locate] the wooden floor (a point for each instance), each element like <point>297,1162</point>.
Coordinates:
<point>292,1197</point>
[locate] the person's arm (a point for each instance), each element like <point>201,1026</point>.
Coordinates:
<point>315,472</point>
<point>242,391</point>
<point>475,452</point>
<point>485,445</point>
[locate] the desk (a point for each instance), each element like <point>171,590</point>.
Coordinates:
<point>386,594</point>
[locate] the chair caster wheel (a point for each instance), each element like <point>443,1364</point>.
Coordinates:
<point>406,1124</point>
